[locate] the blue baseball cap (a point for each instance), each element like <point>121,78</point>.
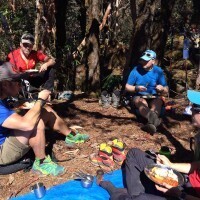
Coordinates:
<point>194,96</point>
<point>148,55</point>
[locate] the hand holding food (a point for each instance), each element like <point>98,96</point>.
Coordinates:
<point>161,159</point>
<point>169,190</point>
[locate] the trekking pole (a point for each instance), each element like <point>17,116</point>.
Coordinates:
<point>186,44</point>
<point>171,49</point>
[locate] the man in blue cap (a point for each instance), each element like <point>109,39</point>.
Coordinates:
<point>147,83</point>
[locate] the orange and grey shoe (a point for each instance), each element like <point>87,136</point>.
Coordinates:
<point>118,151</point>
<point>103,163</point>
<point>105,152</point>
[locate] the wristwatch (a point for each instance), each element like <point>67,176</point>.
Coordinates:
<point>182,196</point>
<point>42,101</point>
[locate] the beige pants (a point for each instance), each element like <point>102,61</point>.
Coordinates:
<point>12,150</point>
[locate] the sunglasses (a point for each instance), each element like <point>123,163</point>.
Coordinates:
<point>27,45</point>
<point>148,55</point>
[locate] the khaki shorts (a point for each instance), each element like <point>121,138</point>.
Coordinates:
<point>12,150</point>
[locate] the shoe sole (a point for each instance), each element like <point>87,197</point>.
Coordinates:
<point>72,144</point>
<point>44,175</point>
<point>149,128</point>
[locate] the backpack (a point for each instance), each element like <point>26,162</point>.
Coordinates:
<point>23,164</point>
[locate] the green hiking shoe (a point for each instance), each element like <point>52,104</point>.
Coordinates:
<point>48,167</point>
<point>76,139</point>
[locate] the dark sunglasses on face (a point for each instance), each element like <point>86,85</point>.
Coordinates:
<point>27,45</point>
<point>148,55</point>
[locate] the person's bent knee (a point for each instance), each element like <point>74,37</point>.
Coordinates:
<point>133,153</point>
<point>12,150</point>
<point>138,102</point>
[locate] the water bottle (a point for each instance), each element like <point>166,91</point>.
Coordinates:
<point>195,146</point>
<point>164,150</point>
<point>186,46</point>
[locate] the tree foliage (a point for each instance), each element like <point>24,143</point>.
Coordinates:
<point>137,24</point>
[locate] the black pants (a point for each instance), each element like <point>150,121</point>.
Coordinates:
<point>45,78</point>
<point>139,186</point>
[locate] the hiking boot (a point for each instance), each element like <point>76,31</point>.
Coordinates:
<point>149,128</point>
<point>105,99</point>
<point>115,98</point>
<point>76,139</point>
<point>47,167</point>
<point>153,118</point>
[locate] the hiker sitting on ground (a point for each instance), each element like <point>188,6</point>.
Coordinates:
<point>147,82</point>
<point>20,133</point>
<point>25,58</point>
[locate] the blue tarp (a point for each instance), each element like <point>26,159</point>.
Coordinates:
<point>72,190</point>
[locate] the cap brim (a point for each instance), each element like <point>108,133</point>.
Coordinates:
<point>7,73</point>
<point>194,96</point>
<point>26,41</point>
<point>146,58</point>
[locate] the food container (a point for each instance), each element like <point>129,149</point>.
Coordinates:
<point>159,178</point>
<point>164,150</point>
<point>87,182</point>
<point>39,190</point>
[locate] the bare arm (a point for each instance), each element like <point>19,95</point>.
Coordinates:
<point>47,63</point>
<point>30,119</point>
<point>138,88</point>
<point>130,88</point>
<point>181,167</point>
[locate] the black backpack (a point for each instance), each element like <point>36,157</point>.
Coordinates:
<point>23,164</point>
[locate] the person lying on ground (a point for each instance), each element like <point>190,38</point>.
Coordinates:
<point>25,58</point>
<point>140,187</point>
<point>147,83</point>
<point>20,133</point>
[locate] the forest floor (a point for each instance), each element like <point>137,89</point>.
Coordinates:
<point>104,125</point>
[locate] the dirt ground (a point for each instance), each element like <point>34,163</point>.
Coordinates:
<point>103,125</point>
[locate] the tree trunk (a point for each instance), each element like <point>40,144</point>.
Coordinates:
<point>48,36</point>
<point>39,8</point>
<point>60,27</point>
<point>92,44</point>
